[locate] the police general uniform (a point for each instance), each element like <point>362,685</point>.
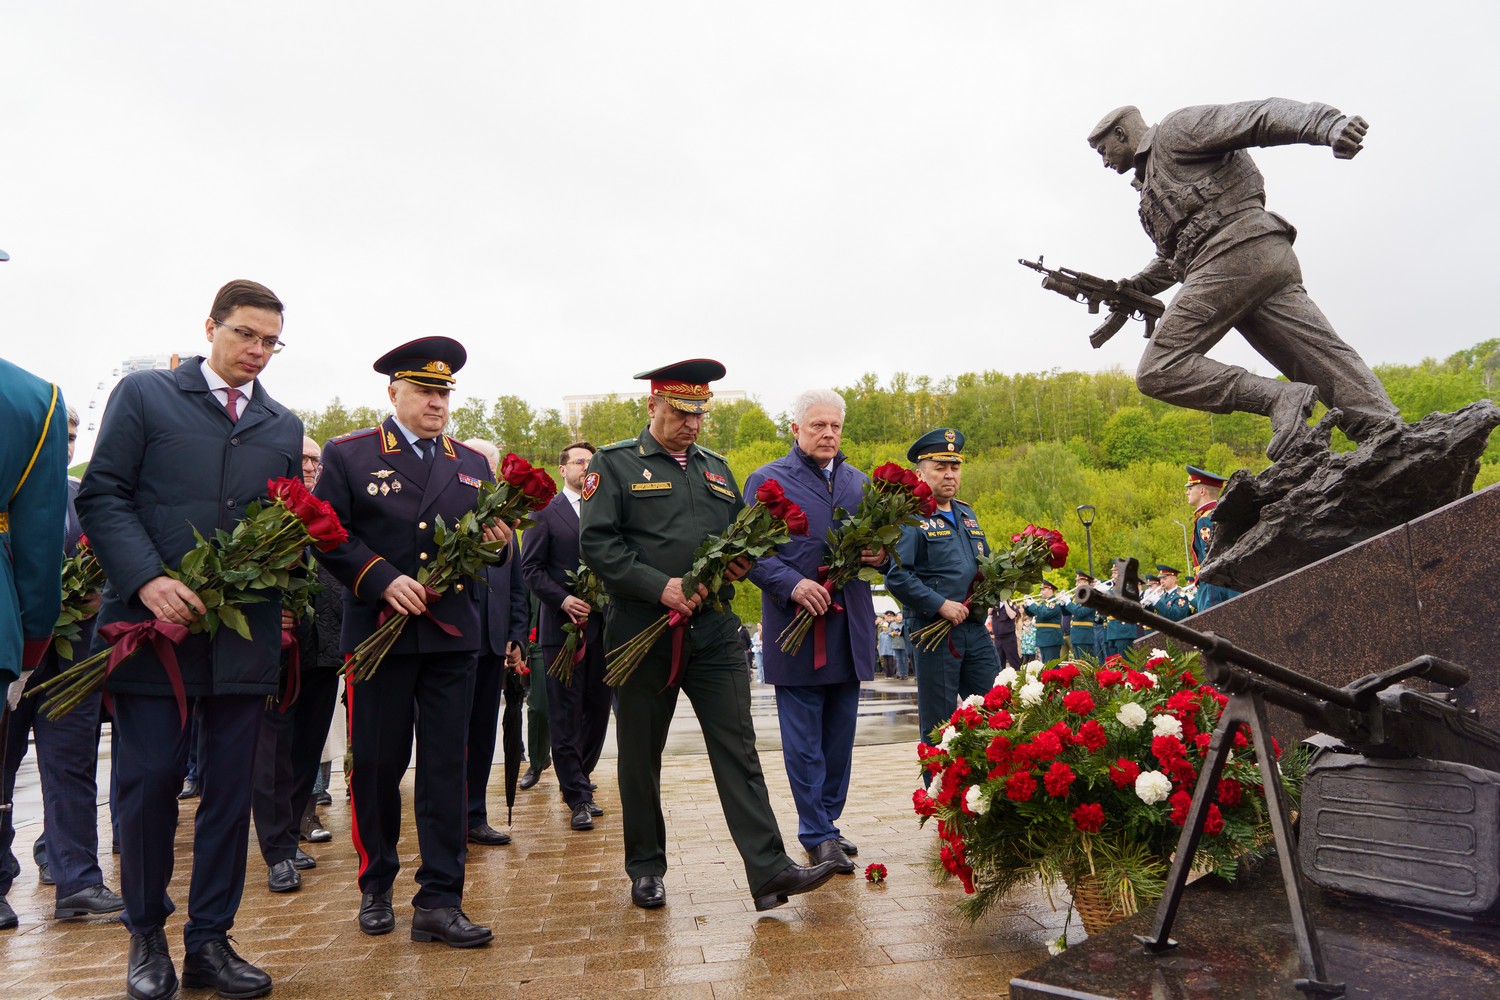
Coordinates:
<point>938,560</point>
<point>389,498</point>
<point>643,515</point>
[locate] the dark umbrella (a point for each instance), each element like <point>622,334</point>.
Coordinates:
<point>510,729</point>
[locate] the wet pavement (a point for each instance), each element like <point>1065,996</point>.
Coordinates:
<point>558,901</point>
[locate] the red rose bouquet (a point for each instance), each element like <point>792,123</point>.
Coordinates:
<point>893,498</point>
<point>585,585</point>
<point>1001,574</point>
<point>759,528</point>
<point>1085,773</point>
<point>462,553</point>
<point>82,580</point>
<point>262,558</point>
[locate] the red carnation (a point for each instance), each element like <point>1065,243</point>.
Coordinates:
<point>1001,720</point>
<point>1167,748</point>
<point>1124,772</point>
<point>1230,791</point>
<point>1079,702</point>
<point>1092,735</point>
<point>1214,824</point>
<point>1089,817</point>
<point>1108,678</point>
<point>1136,680</point>
<point>998,697</point>
<point>1059,779</point>
<point>923,803</point>
<point>1046,745</point>
<point>998,751</point>
<point>1180,801</point>
<point>1019,787</point>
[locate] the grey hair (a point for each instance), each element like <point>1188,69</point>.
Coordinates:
<point>816,397</point>
<point>485,448</point>
<point>72,416</point>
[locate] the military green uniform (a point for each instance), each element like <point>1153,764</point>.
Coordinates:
<point>642,517</point>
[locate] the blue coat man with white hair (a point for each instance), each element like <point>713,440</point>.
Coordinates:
<point>817,689</point>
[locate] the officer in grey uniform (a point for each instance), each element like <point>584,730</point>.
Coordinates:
<point>1203,205</point>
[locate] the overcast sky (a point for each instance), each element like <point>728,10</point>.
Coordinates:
<point>805,190</point>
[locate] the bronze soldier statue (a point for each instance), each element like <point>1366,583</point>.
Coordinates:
<point>1203,205</point>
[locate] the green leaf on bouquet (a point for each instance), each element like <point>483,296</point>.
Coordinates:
<point>64,648</point>
<point>869,574</point>
<point>235,619</point>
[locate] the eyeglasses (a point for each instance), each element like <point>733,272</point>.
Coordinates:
<point>580,462</point>
<point>273,345</point>
<point>310,460</point>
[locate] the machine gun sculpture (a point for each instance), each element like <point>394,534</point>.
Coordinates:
<point>1412,755</point>
<point>1080,286</point>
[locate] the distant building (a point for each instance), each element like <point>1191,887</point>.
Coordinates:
<point>147,362</point>
<point>573,406</point>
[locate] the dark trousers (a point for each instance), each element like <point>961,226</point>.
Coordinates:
<point>67,754</point>
<point>1083,644</point>
<point>427,693</point>
<point>718,686</point>
<point>1008,650</point>
<point>152,761</point>
<point>817,743</point>
<point>943,678</point>
<point>578,716</point>
<point>538,720</point>
<point>484,723</point>
<point>287,754</point>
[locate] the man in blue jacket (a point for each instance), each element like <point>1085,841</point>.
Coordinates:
<point>939,560</point>
<point>817,689</point>
<point>33,509</point>
<point>183,451</point>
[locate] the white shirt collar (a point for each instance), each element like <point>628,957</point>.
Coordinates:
<point>411,438</point>
<point>219,387</point>
<point>573,498</point>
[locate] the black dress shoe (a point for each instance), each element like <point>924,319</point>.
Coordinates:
<point>486,834</point>
<point>847,846</point>
<point>8,918</point>
<point>375,913</point>
<point>284,877</point>
<point>90,902</point>
<point>594,808</point>
<point>215,964</point>
<point>189,790</point>
<point>530,778</point>
<point>44,874</point>
<point>830,851</point>
<point>648,893</point>
<point>150,975</point>
<point>302,861</point>
<point>582,819</point>
<point>312,830</point>
<point>593,787</point>
<point>793,880</point>
<point>449,925</point>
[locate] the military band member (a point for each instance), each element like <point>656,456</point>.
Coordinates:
<point>1203,489</point>
<point>1082,631</point>
<point>647,504</point>
<point>389,485</point>
<point>938,563</point>
<point>1046,614</point>
<point>1170,602</point>
<point>180,451</point>
<point>1118,636</point>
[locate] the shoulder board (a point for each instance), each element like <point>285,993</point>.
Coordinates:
<point>459,444</point>
<point>352,435</point>
<point>627,443</point>
<point>966,506</point>
<point>710,452</point>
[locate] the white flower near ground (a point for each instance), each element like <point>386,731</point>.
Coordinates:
<point>1032,693</point>
<point>1157,653</point>
<point>1057,946</point>
<point>1152,787</point>
<point>977,700</point>
<point>1166,725</point>
<point>1034,668</point>
<point>1006,677</point>
<point>976,800</point>
<point>1131,715</point>
<point>947,738</point>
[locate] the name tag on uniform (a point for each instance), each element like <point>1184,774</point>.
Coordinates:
<point>727,494</point>
<point>468,480</point>
<point>649,487</point>
<point>940,534</point>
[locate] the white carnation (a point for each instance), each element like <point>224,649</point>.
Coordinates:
<point>1006,677</point>
<point>947,738</point>
<point>1057,946</point>
<point>1150,677</point>
<point>1158,653</point>
<point>977,700</point>
<point>1166,725</point>
<point>1034,668</point>
<point>1152,787</point>
<point>1131,715</point>
<point>1032,693</point>
<point>976,800</point>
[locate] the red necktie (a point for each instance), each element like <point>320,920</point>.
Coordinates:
<point>233,405</point>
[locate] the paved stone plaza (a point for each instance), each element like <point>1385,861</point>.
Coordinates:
<point>558,902</point>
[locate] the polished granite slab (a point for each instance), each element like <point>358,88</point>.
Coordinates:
<point>1235,941</point>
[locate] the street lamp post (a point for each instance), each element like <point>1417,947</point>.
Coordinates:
<point>1187,547</point>
<point>1086,518</point>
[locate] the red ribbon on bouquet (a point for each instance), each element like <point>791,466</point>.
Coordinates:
<point>293,650</point>
<point>432,597</point>
<point>820,623</point>
<point>677,622</point>
<point>126,639</point>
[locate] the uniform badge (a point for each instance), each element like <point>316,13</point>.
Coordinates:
<point>372,489</point>
<point>382,473</point>
<point>468,480</point>
<point>395,486</point>
<point>646,474</point>
<point>385,489</point>
<point>590,484</point>
<point>949,436</point>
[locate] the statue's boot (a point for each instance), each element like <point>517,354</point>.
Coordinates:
<point>1289,415</point>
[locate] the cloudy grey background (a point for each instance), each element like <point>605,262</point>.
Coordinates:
<point>806,190</point>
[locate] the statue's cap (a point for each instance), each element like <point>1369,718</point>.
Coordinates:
<point>1110,120</point>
